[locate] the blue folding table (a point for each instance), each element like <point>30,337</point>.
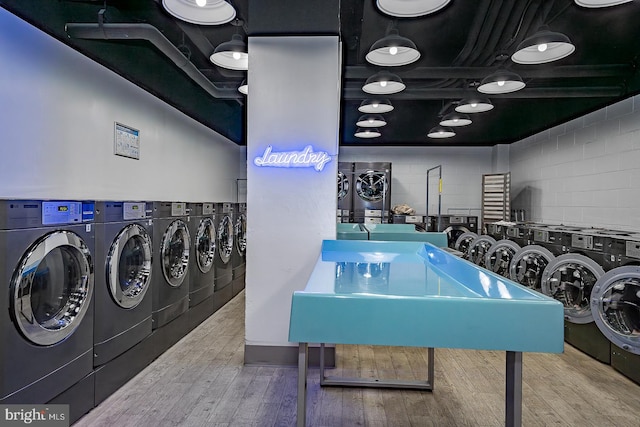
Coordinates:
<point>415,294</point>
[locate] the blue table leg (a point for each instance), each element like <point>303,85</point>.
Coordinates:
<point>303,365</point>
<point>513,398</point>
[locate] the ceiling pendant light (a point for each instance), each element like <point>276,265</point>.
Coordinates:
<point>244,87</point>
<point>474,105</point>
<point>383,82</point>
<point>410,9</point>
<point>371,121</point>
<point>231,54</point>
<point>502,81</point>
<point>542,47</point>
<point>455,119</point>
<point>367,133</point>
<point>373,106</point>
<point>600,3</point>
<point>393,50</point>
<point>441,132</point>
<point>201,12</point>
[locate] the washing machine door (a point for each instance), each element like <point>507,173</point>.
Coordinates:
<point>371,186</point>
<point>240,232</point>
<point>615,304</point>
<point>129,266</point>
<point>463,243</point>
<point>343,186</point>
<point>479,248</point>
<point>225,239</point>
<point>570,278</point>
<point>51,288</point>
<point>174,253</point>
<point>528,264</point>
<point>453,232</point>
<point>498,257</point>
<point>205,245</point>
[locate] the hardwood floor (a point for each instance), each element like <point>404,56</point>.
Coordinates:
<point>202,381</point>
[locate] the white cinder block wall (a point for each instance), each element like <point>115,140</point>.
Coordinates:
<point>585,172</point>
<point>462,170</point>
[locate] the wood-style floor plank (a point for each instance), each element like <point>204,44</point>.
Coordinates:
<point>202,381</point>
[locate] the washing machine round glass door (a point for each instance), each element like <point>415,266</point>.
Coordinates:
<point>205,245</point>
<point>241,234</point>
<point>129,266</point>
<point>499,256</point>
<point>453,232</point>
<point>343,185</point>
<point>570,278</point>
<point>371,186</point>
<point>479,248</point>
<point>51,287</point>
<point>528,264</point>
<point>463,243</point>
<point>225,239</point>
<point>615,303</point>
<point>174,253</point>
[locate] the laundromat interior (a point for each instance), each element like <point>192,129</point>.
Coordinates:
<point>320,213</point>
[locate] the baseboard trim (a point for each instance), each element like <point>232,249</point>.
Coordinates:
<point>265,355</point>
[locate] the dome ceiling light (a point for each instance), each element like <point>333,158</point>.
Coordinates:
<point>383,82</point>
<point>371,121</point>
<point>441,132</point>
<point>201,12</point>
<point>367,133</point>
<point>542,47</point>
<point>600,3</point>
<point>373,106</point>
<point>455,119</point>
<point>244,87</point>
<point>502,81</point>
<point>474,105</point>
<point>231,54</point>
<point>410,9</point>
<point>393,50</point>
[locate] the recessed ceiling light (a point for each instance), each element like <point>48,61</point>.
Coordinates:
<point>409,9</point>
<point>213,12</point>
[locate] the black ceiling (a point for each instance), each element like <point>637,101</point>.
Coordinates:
<point>460,44</point>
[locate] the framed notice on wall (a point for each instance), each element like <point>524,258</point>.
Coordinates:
<point>126,141</point>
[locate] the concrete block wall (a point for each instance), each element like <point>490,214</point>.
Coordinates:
<point>585,172</point>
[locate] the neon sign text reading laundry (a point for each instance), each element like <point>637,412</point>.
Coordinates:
<point>294,159</point>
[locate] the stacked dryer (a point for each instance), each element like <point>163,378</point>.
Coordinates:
<point>453,225</point>
<point>122,293</point>
<point>223,266</point>
<point>202,230</point>
<point>345,192</point>
<point>46,310</point>
<point>170,273</point>
<point>372,192</point>
<point>238,262</point>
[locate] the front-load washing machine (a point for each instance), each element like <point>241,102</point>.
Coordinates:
<point>223,267</point>
<point>170,270</point>
<point>615,303</point>
<point>122,298</point>
<point>46,316</point>
<point>463,243</point>
<point>570,278</point>
<point>201,261</point>
<point>498,257</point>
<point>345,192</point>
<point>372,192</point>
<point>528,264</point>
<point>238,264</point>
<point>453,225</point>
<point>479,248</point>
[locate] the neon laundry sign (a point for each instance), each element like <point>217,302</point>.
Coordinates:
<point>293,159</point>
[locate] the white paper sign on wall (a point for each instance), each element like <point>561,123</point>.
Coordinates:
<point>126,141</point>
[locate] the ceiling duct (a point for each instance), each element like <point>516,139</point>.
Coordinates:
<point>135,31</point>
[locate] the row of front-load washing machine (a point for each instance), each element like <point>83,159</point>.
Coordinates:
<point>94,291</point>
<point>594,272</point>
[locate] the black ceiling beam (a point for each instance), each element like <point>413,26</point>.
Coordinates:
<point>565,71</point>
<point>351,92</point>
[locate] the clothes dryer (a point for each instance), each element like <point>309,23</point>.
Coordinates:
<point>453,225</point>
<point>123,265</point>
<point>223,266</point>
<point>202,230</point>
<point>615,301</point>
<point>345,192</point>
<point>519,233</point>
<point>479,248</point>
<point>556,238</point>
<point>372,192</point>
<point>528,264</point>
<point>570,278</point>
<point>498,257</point>
<point>170,270</point>
<point>464,242</point>
<point>497,231</point>
<point>238,263</point>
<point>46,310</point>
